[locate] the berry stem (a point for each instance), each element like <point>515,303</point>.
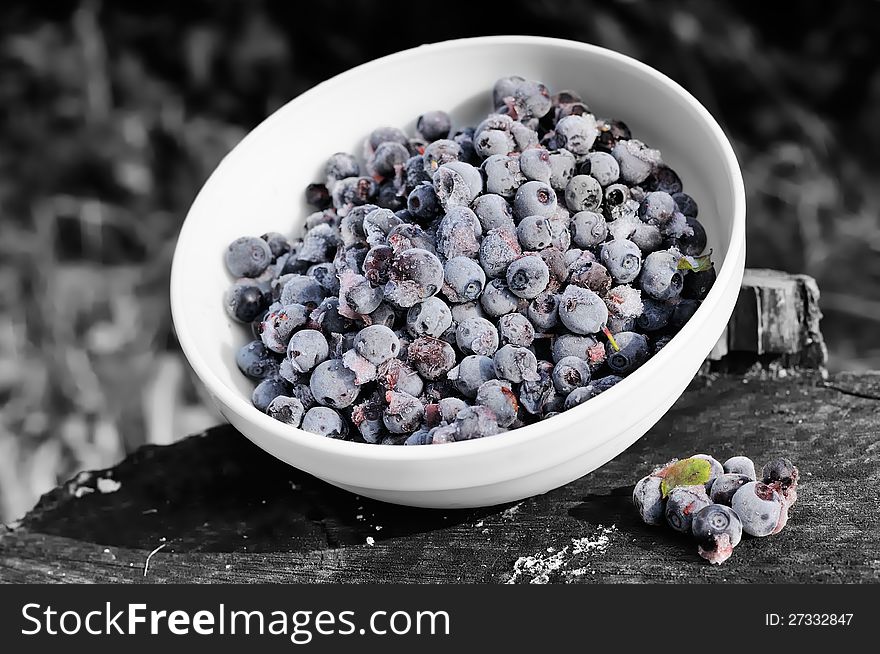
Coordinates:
<point>610,337</point>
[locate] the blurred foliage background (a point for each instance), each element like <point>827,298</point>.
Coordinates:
<point>112,115</point>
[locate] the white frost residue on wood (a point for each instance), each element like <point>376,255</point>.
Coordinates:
<point>106,485</point>
<point>538,568</point>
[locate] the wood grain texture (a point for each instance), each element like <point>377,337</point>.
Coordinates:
<point>228,512</point>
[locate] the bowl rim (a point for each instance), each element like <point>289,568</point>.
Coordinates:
<point>729,271</point>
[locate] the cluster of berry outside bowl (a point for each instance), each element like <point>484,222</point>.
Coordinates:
<point>465,281</point>
<point>258,188</point>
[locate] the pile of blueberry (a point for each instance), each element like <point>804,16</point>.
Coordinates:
<point>717,502</point>
<point>469,281</point>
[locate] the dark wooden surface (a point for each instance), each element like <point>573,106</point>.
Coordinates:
<point>222,510</point>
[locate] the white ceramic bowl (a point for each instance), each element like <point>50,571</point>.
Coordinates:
<point>259,187</point>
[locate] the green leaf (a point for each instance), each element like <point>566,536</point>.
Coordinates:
<point>696,264</point>
<point>687,472</point>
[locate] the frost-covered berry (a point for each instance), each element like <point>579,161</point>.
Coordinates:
<point>632,352</point>
<point>493,141</point>
<point>288,410</point>
<point>451,406</point>
<point>386,159</point>
<point>333,385</point>
<point>357,296</point>
<point>464,279</point>
<point>516,364</point>
<point>725,486</point>
<point>543,311</point>
<point>534,233</point>
<point>493,212</point>
<point>577,133</point>
<point>477,336</point>
<point>570,373</point>
<point>762,509</point>
<point>475,422</point>
<point>588,229</point>
<point>471,373</point>
<point>306,349</point>
<point>740,465</point>
<point>717,530</point>
<point>433,125</point>
<point>430,317</point>
<point>377,344</point>
<point>686,204</point>
<point>267,390</point>
<point>515,329</point>
<point>657,208</point>
<point>535,164</point>
<point>655,315</point>
<point>636,160</point>
<point>413,276</point>
<point>459,234</point>
<point>602,166</point>
<point>583,347</point>
<point>323,421</point>
<point>528,276</point>
<point>503,175</point>
<point>562,168</point>
<point>256,360</point>
<point>623,259</point>
<point>403,414</point>
<point>648,500</point>
<point>681,505</point>
<point>534,199</point>
<point>438,153</point>
<point>497,396</point>
<point>245,301</point>
<point>498,249</point>
<point>340,166</point>
<point>431,357</point>
<point>582,311</point>
<point>423,202</point>
<point>497,300</point>
<point>583,193</point>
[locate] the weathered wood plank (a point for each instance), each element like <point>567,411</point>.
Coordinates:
<point>229,512</point>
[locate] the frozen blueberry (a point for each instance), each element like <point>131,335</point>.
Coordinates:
<point>601,166</point>
<point>465,310</point>
<point>624,305</point>
<point>278,244</point>
<point>632,354</point>
<point>562,168</point>
<point>404,412</point>
<point>256,361</point>
<point>325,275</point>
<point>377,224</point>
<point>267,390</point>
<point>493,141</point>
<point>431,357</point>
<point>577,397</point>
<point>531,99</point>
<point>570,373</point>
<point>438,153</point>
<point>396,375</point>
<point>497,396</point>
<point>459,233</point>
<point>740,465</point>
<point>539,397</point>
<point>475,422</point>
<point>353,191</point>
<point>430,317</point>
<point>588,229</point>
<point>528,276</point>
<point>648,499</point>
<point>576,133</point>
<point>288,410</point>
<point>681,505</point>
<point>655,315</point>
<point>498,249</point>
<point>245,302</point>
<point>477,336</point>
<point>697,284</point>
<point>451,406</point>
<point>780,471</point>
<point>413,276</point>
<point>582,311</point>
<point>434,125</point>
<point>516,364</point>
<point>694,243</point>
<point>464,279</point>
<point>421,437</point>
<point>452,189</point>
<point>387,158</point>
<point>724,487</point>
<point>534,199</point>
<point>762,509</point>
<point>382,135</point>
<point>686,204</point>
<point>586,272</point>
<point>535,165</point>
<point>497,300</point>
<point>340,166</point>
<point>377,344</point>
<point>357,296</point>
<point>279,323</point>
<point>248,256</point>
<point>534,233</point>
<point>623,259</point>
<point>636,160</point>
<point>647,237</point>
<point>543,311</point>
<point>324,422</point>
<point>682,312</point>
<point>717,530</point>
<point>657,208</point>
<point>610,132</point>
<point>503,175</point>
<point>471,373</point>
<point>332,384</point>
<point>560,234</point>
<point>306,349</point>
<point>423,202</point>
<point>504,88</point>
<point>515,329</point>
<point>414,172</point>
<point>664,179</point>
<point>583,193</point>
<point>583,347</point>
<point>301,289</point>
<point>493,212</point>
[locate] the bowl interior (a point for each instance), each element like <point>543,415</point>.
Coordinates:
<point>259,186</point>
